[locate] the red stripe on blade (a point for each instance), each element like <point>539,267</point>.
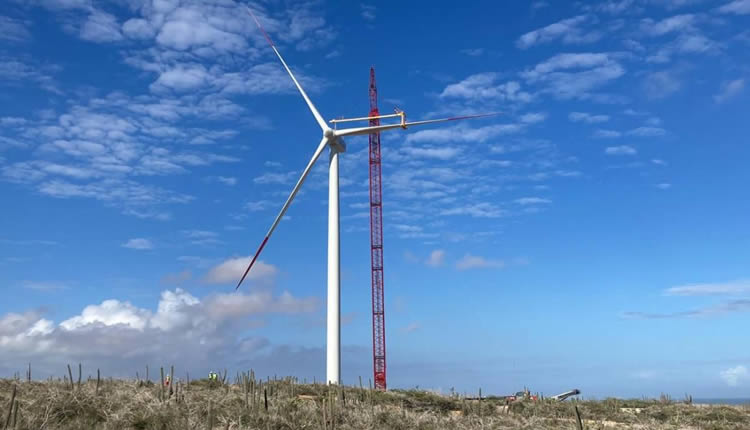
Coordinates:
<point>475,116</point>
<point>259,26</point>
<point>252,262</point>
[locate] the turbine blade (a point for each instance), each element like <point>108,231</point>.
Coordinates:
<point>376,128</point>
<point>288,202</point>
<point>310,104</point>
<point>455,118</point>
<point>365,130</point>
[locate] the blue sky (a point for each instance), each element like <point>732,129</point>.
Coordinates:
<point>594,235</point>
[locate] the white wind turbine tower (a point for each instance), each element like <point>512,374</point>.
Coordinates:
<point>333,139</point>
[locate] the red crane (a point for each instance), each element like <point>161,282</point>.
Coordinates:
<point>376,244</point>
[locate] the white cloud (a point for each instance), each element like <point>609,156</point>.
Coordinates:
<point>66,4</point>
<point>116,333</point>
<point>13,121</point>
<point>411,327</point>
<point>475,262</point>
<point>138,243</point>
<point>436,258</point>
<point>676,4</point>
<point>14,69</point>
<point>647,132</point>
<point>633,45</point>
<point>587,118</point>
<point>710,289</point>
<point>231,270</point>
<point>275,178</point>
<point>667,25</point>
<point>302,22</point>
<point>616,7</point>
<point>188,29</point>
<point>110,312</point>
<point>132,197</point>
<point>567,61</point>
<point>201,237</point>
<point>473,52</point>
<point>101,26</point>
<point>568,30</point>
<point>463,133</point>
<point>476,210</point>
<point>333,54</point>
<point>137,28</point>
<point>694,43</point>
<point>133,145</point>
<point>358,215</point>
<point>183,78</point>
<point>440,153</point>
<point>368,12</point>
<point>14,325</point>
<point>227,180</point>
<point>688,41</point>
<point>220,79</point>
<point>319,38</point>
<point>32,170</point>
<point>13,30</point>
<point>729,89</point>
<point>607,134</point>
<point>574,75</point>
<point>734,375</point>
<point>233,305</point>
<point>620,150</point>
<point>174,311</point>
<point>44,285</point>
<point>105,148</point>
<point>420,183</point>
<point>400,227</point>
<point>739,7</point>
<point>527,201</point>
<point>485,86</point>
<point>724,308</point>
<point>533,117</point>
<point>259,205</point>
<point>662,84</point>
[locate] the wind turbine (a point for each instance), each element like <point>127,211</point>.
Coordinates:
<point>332,139</point>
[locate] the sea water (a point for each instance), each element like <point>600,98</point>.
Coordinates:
<point>740,401</point>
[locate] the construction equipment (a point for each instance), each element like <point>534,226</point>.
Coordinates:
<point>565,395</point>
<point>526,395</point>
<point>332,139</point>
<point>376,238</point>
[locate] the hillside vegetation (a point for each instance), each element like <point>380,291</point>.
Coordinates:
<point>286,404</point>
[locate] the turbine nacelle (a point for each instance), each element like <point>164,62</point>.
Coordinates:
<point>337,144</point>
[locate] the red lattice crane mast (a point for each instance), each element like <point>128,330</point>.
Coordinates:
<point>376,244</point>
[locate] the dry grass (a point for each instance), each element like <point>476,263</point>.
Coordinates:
<point>121,404</point>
